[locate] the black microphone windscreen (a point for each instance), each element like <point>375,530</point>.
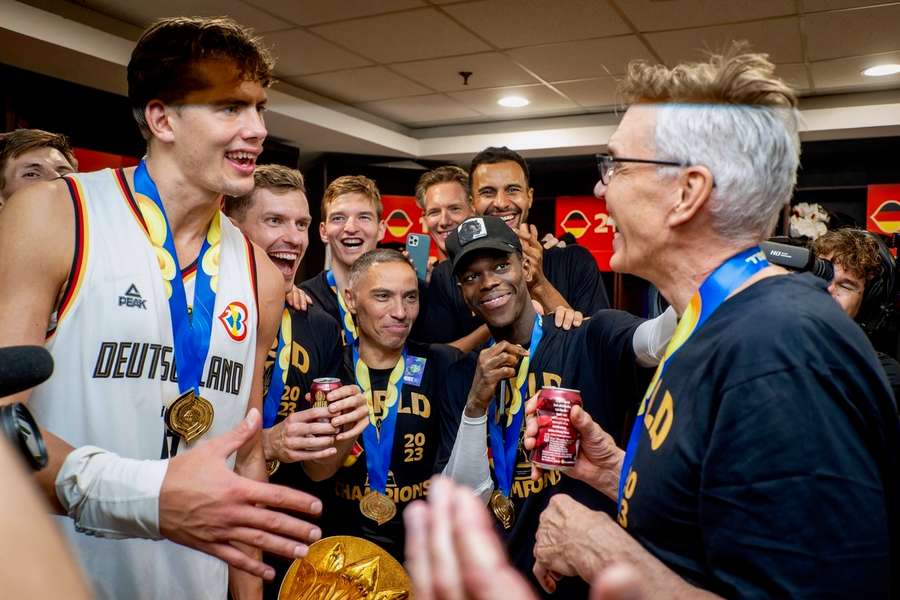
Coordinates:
<point>23,367</point>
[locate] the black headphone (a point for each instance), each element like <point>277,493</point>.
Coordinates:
<point>878,297</point>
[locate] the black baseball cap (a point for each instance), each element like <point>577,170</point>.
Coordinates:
<point>480,233</point>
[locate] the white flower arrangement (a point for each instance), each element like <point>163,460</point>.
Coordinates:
<point>808,220</point>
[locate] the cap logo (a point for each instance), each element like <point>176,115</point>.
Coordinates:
<point>471,230</point>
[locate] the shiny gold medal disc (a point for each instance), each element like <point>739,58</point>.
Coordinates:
<point>378,507</point>
<point>344,567</point>
<point>503,509</point>
<point>190,416</point>
<point>272,466</point>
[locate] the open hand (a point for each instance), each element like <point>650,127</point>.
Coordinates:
<point>205,505</point>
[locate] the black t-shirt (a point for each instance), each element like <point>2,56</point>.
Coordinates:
<point>315,352</point>
<point>422,422</point>
<point>768,464</point>
<point>597,359</point>
<point>572,271</point>
<point>324,296</point>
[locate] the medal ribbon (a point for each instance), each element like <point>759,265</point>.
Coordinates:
<point>720,284</point>
<point>191,330</point>
<point>504,437</point>
<point>379,441</point>
<point>272,401</point>
<point>346,318</point>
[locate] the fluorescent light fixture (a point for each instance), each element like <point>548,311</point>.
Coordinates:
<point>882,70</point>
<point>513,101</point>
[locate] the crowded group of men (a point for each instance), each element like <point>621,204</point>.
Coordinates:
<point>742,444</point>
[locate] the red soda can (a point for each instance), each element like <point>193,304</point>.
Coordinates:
<point>556,446</point>
<point>320,388</point>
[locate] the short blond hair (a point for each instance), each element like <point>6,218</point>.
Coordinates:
<point>350,184</point>
<point>445,174</point>
<point>732,77</point>
<point>734,116</point>
<point>265,177</point>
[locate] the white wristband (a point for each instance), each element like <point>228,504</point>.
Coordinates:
<point>111,496</point>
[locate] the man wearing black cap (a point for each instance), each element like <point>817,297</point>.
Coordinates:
<point>526,353</point>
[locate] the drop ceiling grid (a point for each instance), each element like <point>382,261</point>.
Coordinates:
<point>824,42</point>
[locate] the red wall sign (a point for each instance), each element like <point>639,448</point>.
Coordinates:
<point>91,160</point>
<point>586,218</point>
<point>883,209</point>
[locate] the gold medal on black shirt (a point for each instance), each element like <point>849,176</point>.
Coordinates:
<point>190,416</point>
<point>503,509</point>
<point>378,507</point>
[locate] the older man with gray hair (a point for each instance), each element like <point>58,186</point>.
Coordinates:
<point>763,461</point>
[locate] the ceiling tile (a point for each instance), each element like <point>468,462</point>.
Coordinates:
<point>582,59</point>
<point>403,36</point>
<point>653,15</point>
<point>435,109</point>
<point>360,85</point>
<point>543,101</point>
<point>600,92</point>
<point>846,73</point>
<point>513,23</point>
<point>817,5</point>
<point>489,69</point>
<point>852,32</point>
<point>780,38</point>
<point>300,53</point>
<point>144,13</point>
<point>310,12</point>
<point>795,74</point>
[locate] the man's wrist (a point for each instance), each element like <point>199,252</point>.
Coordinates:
<point>475,408</point>
<point>268,444</point>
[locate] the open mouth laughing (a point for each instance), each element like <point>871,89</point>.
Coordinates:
<point>244,161</point>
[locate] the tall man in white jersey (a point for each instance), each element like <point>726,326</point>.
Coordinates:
<point>165,313</point>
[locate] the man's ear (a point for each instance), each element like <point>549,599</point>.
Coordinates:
<point>527,267</point>
<point>350,299</point>
<point>158,117</point>
<point>695,184</point>
<point>322,234</point>
<point>382,229</point>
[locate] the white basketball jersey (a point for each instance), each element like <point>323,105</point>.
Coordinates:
<point>114,374</point>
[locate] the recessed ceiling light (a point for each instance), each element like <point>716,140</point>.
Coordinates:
<point>882,70</point>
<point>513,101</point>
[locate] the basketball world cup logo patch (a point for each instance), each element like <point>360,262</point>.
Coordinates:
<point>234,318</point>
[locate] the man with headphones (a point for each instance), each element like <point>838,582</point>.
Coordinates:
<point>863,284</point>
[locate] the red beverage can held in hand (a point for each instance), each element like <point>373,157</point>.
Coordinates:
<point>556,446</point>
<point>320,388</point>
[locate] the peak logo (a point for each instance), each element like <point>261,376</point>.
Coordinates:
<point>234,318</point>
<point>132,298</point>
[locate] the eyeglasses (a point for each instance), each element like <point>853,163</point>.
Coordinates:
<point>606,164</point>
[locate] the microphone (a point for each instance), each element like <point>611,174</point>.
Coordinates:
<point>23,367</point>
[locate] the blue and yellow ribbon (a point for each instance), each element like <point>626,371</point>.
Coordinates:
<point>191,328</point>
<point>272,401</point>
<point>504,436</point>
<point>712,293</point>
<point>378,436</point>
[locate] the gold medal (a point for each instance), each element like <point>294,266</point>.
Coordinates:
<point>272,466</point>
<point>378,507</point>
<point>190,416</point>
<point>503,509</point>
